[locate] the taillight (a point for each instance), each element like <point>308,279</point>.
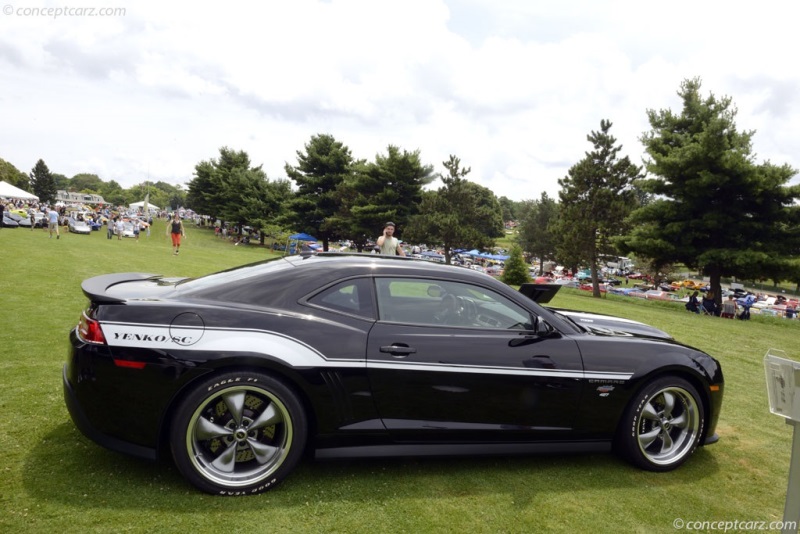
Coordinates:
<point>89,330</point>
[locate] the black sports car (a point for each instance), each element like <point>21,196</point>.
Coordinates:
<point>238,373</point>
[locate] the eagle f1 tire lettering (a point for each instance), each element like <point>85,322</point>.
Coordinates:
<point>238,433</point>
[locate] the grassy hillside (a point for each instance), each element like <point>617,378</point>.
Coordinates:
<point>54,479</point>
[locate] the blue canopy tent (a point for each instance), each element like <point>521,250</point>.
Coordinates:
<point>496,257</point>
<point>302,237</point>
<point>295,240</point>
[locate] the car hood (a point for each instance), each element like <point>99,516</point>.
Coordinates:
<point>608,325</point>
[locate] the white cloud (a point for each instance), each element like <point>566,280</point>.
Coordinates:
<point>511,87</point>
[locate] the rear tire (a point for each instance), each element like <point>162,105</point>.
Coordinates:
<point>662,425</point>
<point>238,433</point>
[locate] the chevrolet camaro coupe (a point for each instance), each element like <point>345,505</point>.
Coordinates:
<point>238,374</point>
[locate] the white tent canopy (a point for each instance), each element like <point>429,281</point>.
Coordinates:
<point>9,191</point>
<point>140,205</point>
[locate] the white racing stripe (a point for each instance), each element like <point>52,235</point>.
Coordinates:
<point>291,351</point>
<point>520,371</point>
<point>298,354</point>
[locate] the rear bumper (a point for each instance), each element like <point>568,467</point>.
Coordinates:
<point>83,423</point>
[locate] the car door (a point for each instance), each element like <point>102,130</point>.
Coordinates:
<point>455,360</point>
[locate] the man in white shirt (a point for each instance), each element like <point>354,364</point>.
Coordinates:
<point>52,223</point>
<point>389,245</point>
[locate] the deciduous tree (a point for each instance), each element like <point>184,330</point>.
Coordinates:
<point>14,176</point>
<point>511,209</point>
<point>85,183</point>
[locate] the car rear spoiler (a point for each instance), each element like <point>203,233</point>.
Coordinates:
<point>96,288</point>
<point>540,293</point>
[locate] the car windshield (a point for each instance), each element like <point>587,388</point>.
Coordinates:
<point>568,319</point>
<point>236,274</point>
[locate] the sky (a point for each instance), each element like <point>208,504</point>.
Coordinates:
<point>147,90</point>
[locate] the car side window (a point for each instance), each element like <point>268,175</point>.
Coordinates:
<point>432,302</point>
<point>351,296</point>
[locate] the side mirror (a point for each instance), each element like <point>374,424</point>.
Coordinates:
<point>541,331</point>
<point>541,327</point>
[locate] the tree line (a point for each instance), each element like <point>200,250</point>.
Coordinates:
<point>45,184</point>
<point>700,199</point>
<point>339,197</point>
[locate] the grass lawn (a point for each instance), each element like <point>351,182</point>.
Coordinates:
<point>55,480</point>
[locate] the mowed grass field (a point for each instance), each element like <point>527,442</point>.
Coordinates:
<point>55,480</point>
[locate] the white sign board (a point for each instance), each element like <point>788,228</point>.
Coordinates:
<point>783,379</point>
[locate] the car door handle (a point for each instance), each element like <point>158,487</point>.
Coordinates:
<point>398,350</point>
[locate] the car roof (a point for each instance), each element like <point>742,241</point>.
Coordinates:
<point>382,264</point>
<point>294,276</point>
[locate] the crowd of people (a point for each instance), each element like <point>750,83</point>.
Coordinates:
<point>737,308</point>
<point>50,217</point>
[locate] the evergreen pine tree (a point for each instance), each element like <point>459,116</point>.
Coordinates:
<point>516,271</point>
<point>42,183</point>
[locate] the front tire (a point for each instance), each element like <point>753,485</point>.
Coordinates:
<point>662,426</point>
<point>238,433</point>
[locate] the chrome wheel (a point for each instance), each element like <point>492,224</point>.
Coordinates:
<point>238,434</point>
<point>668,425</point>
<point>662,425</point>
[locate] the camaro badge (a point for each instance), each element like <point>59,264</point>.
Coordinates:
<point>605,390</point>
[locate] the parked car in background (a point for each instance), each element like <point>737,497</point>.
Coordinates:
<point>637,292</point>
<point>628,291</point>
<point>693,285</point>
<point>24,221</point>
<point>588,286</point>
<point>494,270</point>
<point>39,220</point>
<point>564,282</point>
<point>9,221</point>
<point>127,229</point>
<point>644,286</point>
<point>657,294</point>
<point>78,227</point>
<point>235,375</point>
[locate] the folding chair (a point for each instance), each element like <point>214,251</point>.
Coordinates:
<point>707,307</point>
